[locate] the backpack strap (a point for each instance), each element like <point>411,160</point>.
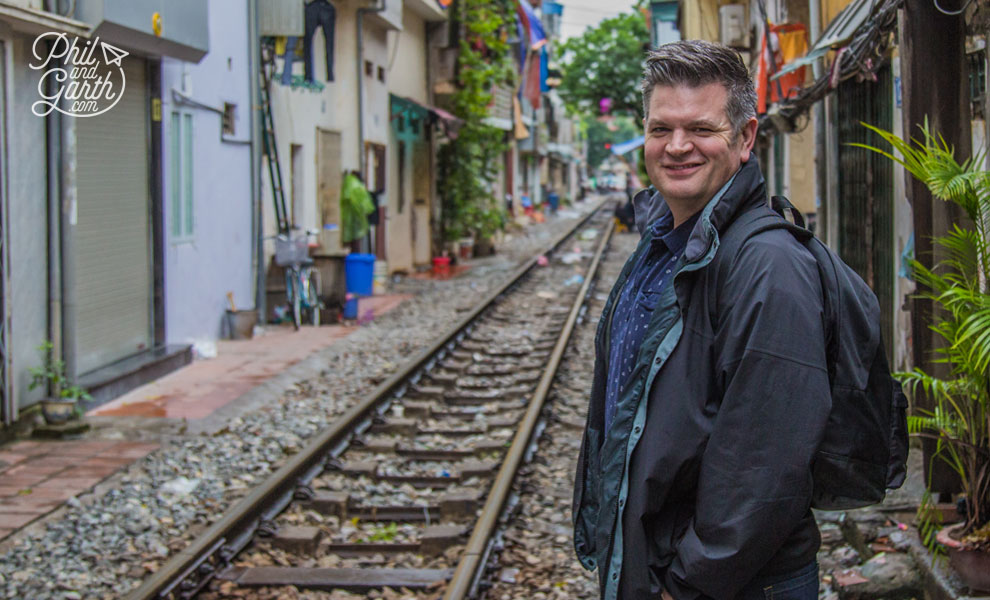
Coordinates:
<point>783,207</point>
<point>750,223</point>
<point>767,218</point>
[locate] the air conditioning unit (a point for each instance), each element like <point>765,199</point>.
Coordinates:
<point>732,25</point>
<point>277,17</point>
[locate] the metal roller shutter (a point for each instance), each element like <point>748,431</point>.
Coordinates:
<point>866,192</point>
<point>113,231</point>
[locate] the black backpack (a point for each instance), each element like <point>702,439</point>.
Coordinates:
<point>865,448</point>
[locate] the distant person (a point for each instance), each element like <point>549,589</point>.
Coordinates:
<point>694,479</point>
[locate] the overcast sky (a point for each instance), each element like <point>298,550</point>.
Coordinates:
<point>579,14</point>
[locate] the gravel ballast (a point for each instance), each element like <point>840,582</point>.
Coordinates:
<point>537,560</point>
<point>102,545</point>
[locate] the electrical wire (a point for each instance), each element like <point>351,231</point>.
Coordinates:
<point>862,56</point>
<point>952,13</point>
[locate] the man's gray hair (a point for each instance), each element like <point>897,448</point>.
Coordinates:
<point>695,63</point>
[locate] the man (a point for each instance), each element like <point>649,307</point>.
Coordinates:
<point>710,396</point>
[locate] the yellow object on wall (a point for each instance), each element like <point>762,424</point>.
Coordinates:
<point>156,24</point>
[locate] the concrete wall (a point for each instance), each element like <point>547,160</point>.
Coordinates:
<point>218,258</point>
<point>904,288</point>
<point>800,187</point>
<point>407,55</point>
<point>376,104</point>
<point>407,78</point>
<point>699,20</point>
<point>298,112</point>
<point>35,4</point>
<point>27,228</point>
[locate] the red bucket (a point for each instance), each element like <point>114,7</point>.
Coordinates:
<point>441,266</point>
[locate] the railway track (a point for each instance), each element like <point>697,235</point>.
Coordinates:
<point>406,490</point>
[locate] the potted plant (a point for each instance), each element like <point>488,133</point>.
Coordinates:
<point>63,404</point>
<point>959,287</point>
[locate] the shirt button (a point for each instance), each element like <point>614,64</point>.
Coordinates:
<point>637,429</point>
<point>615,576</point>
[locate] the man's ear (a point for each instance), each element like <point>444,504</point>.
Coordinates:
<point>748,135</point>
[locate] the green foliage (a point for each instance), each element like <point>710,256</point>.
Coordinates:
<point>52,373</point>
<point>385,533</point>
<point>606,62</point>
<point>600,134</point>
<point>958,286</point>
<point>468,165</point>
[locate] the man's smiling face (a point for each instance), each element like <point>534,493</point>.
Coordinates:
<point>691,149</point>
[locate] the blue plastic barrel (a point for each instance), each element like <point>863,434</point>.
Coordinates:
<point>359,270</point>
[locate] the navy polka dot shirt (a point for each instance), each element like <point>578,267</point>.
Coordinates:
<point>635,305</point>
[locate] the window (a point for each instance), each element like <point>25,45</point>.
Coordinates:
<point>369,68</point>
<point>181,176</point>
<point>381,74</point>
<point>229,118</point>
<point>977,67</point>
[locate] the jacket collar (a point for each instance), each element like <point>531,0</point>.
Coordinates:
<point>747,189</point>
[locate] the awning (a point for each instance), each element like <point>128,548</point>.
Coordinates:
<point>34,21</point>
<point>629,146</point>
<point>403,107</point>
<point>838,33</point>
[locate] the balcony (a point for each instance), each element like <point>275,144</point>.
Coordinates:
<point>28,16</point>
<point>180,29</point>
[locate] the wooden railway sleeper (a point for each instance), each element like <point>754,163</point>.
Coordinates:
<point>276,502</point>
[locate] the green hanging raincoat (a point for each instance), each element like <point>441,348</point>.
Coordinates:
<point>355,206</point>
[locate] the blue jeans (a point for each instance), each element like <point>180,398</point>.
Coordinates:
<point>796,585</point>
<point>290,57</point>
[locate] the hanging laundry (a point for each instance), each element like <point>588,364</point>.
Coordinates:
<point>289,54</point>
<point>787,42</point>
<point>544,69</point>
<point>531,83</point>
<point>355,206</point>
<point>519,127</point>
<point>320,14</point>
<point>531,30</point>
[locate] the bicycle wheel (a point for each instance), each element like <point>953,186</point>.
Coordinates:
<point>293,295</point>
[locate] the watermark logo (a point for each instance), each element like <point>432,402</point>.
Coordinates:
<point>76,80</point>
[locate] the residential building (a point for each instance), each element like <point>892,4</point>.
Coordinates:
<point>83,206</point>
<point>208,203</point>
<point>24,201</point>
<point>412,206</point>
<point>850,195</point>
<point>326,126</point>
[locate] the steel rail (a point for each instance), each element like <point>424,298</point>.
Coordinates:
<point>472,563</point>
<point>244,516</point>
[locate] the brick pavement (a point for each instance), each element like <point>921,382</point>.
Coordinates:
<point>36,477</point>
<point>197,390</point>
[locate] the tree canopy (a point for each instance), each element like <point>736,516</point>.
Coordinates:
<point>606,62</point>
<point>622,129</point>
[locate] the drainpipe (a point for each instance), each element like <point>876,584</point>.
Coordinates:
<point>53,129</point>
<point>69,210</point>
<point>436,239</point>
<point>60,157</point>
<point>360,79</point>
<point>821,155</point>
<point>257,212</point>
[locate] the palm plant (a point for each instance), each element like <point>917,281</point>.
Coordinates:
<point>958,285</point>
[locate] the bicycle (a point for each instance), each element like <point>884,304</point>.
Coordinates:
<point>302,281</point>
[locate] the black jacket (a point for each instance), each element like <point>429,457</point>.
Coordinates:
<point>704,479</point>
